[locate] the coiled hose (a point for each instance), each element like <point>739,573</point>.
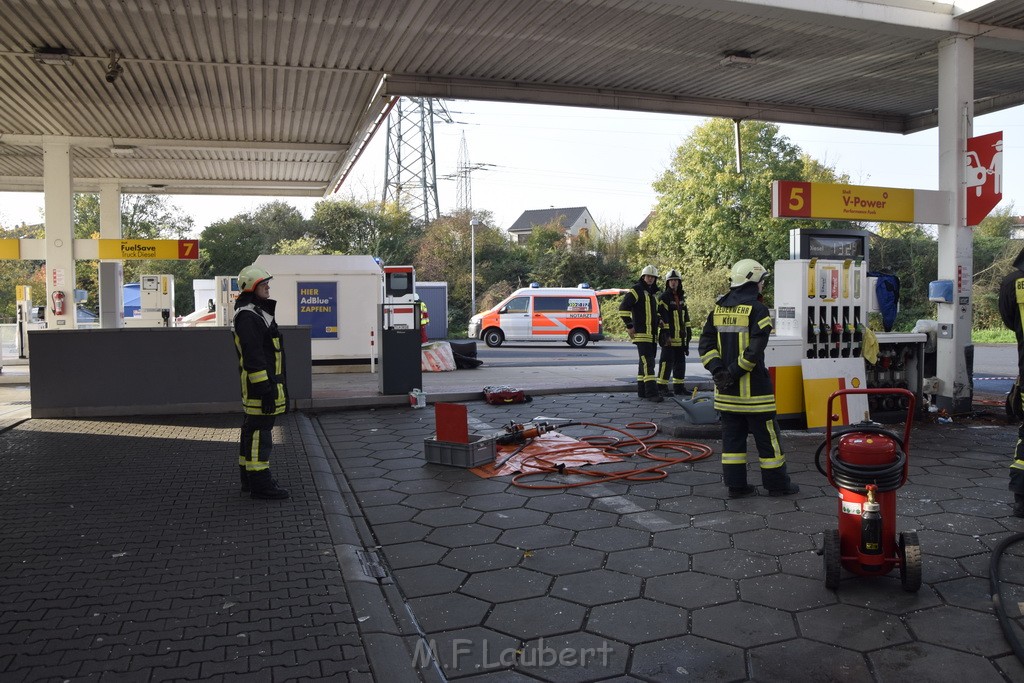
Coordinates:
<point>852,477</point>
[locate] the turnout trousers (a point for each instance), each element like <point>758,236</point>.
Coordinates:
<point>765,429</point>
<point>257,442</point>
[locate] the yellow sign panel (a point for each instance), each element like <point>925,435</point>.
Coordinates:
<point>148,249</point>
<point>10,248</point>
<point>842,202</point>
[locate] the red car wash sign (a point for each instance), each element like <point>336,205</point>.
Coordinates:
<point>984,184</point>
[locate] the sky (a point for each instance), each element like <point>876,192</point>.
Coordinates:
<point>536,157</point>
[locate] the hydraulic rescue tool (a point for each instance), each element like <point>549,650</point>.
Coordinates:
<point>519,433</point>
<point>867,465</point>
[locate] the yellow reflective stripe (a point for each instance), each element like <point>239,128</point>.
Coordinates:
<point>259,376</point>
<point>713,353</point>
<point>1019,287</point>
<point>764,322</point>
<point>734,458</point>
<point>745,364</point>
<point>778,459</point>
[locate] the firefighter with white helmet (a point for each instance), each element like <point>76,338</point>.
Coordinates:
<point>639,313</point>
<point>260,351</point>
<point>732,347</point>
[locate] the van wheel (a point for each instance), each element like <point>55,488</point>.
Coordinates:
<point>493,337</point>
<point>578,338</point>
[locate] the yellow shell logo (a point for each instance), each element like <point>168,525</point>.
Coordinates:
<point>855,383</point>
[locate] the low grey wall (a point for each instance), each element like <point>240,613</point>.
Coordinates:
<point>150,371</point>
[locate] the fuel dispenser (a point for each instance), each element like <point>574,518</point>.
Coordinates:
<point>399,333</point>
<point>226,292</point>
<point>156,302</point>
<point>29,317</point>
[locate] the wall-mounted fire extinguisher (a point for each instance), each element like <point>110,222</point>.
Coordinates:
<point>57,298</point>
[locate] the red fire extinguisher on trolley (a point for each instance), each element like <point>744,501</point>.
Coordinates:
<point>57,299</point>
<point>867,465</point>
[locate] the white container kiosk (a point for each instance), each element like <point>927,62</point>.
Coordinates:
<point>338,298</point>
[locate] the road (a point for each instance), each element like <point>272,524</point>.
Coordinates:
<point>995,365</point>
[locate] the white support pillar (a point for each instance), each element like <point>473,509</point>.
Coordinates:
<point>60,233</point>
<point>111,271</point>
<point>955,353</point>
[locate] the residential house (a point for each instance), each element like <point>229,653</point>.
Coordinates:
<point>576,222</point>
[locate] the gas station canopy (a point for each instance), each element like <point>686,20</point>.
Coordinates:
<point>267,97</point>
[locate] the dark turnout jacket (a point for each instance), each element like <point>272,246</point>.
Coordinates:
<point>260,349</point>
<point>735,337</point>
<point>639,311</point>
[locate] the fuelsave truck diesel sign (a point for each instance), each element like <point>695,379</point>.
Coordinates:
<point>791,199</point>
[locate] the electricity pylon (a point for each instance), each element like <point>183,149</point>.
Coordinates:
<point>410,176</point>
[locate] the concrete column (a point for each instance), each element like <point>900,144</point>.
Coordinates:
<point>111,271</point>
<point>60,233</point>
<point>956,121</point>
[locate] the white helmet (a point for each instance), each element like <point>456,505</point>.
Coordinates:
<point>251,276</point>
<point>747,270</point>
<point>649,270</point>
<point>673,274</point>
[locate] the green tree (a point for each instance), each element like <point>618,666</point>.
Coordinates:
<point>708,215</point>
<point>229,245</point>
<point>350,227</point>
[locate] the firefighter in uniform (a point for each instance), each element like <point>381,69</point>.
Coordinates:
<point>1011,309</point>
<point>674,338</point>
<point>424,318</point>
<point>732,347</point>
<point>261,366</point>
<point>639,313</point>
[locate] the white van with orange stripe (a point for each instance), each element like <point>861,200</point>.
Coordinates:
<point>569,314</point>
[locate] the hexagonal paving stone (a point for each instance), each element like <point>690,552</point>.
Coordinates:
<point>984,507</point>
<point>655,520</point>
<point>511,519</point>
<point>647,562</point>
<point>462,535</point>
<point>959,629</point>
<point>743,624</point>
<point>691,505</point>
<point>478,558</point>
<point>637,621</point>
<point>808,564</point>
<point>574,657</point>
<point>385,514</point>
<point>691,540</point>
<point>495,501</point>
<point>804,522</point>
<point>534,537</point>
<point>729,521</point>
<point>855,628</point>
<point>613,539</point>
<point>580,520</point>
<point>454,516</point>
<point>624,505</point>
<point>544,616</point>
<point>567,559</point>
<point>817,662</point>
<point>696,477</point>
<point>960,524</point>
<point>418,486</point>
<point>400,532</point>
<point>416,582</point>
<point>472,651</point>
<point>948,544</point>
<point>503,585</point>
<point>379,497</point>
<point>924,662</point>
<point>660,489</point>
<point>734,564</point>
<point>688,659</point>
<point>445,612</point>
<point>783,591</point>
<point>596,587</point>
<point>441,499</point>
<point>885,592</point>
<point>558,503</point>
<point>690,589</point>
<point>772,541</point>
<point>415,554</point>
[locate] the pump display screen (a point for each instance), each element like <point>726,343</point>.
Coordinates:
<point>835,247</point>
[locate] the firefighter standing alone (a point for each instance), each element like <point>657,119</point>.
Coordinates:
<point>639,313</point>
<point>261,367</point>
<point>732,347</point>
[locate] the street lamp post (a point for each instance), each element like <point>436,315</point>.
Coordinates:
<point>472,265</point>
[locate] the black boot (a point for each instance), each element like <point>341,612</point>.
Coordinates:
<point>640,391</point>
<point>264,487</point>
<point>777,481</point>
<point>665,390</point>
<point>652,393</point>
<point>679,389</point>
<point>244,476</point>
<point>1018,505</point>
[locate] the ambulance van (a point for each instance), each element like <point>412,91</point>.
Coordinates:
<point>569,314</point>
